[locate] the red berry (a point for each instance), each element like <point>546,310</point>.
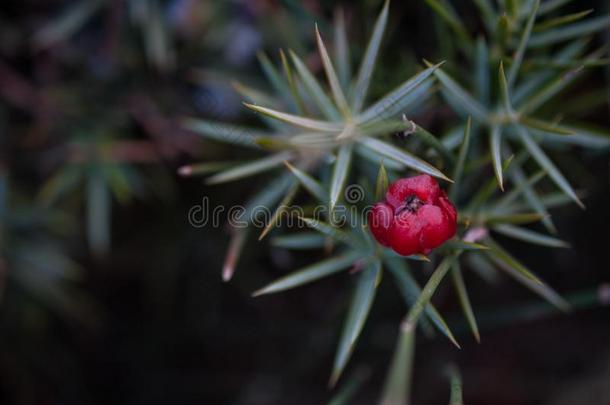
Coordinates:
<point>415,218</point>
<point>380,218</point>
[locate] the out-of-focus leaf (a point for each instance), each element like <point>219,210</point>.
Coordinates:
<point>3,197</point>
<point>383,127</point>
<point>495,140</point>
<point>446,11</point>
<point>588,62</point>
<point>544,126</point>
<point>455,381</point>
<point>199,169</point>
<point>314,89</point>
<point>503,30</point>
<point>512,7</point>
<point>537,287</point>
<point>531,197</point>
<point>482,71</point>
<point>459,166</point>
<point>500,256</point>
<point>308,123</point>
<point>346,394</point>
<point>330,231</point>
<point>381,185</point>
<point>378,159</point>
<point>158,47</point>
<point>319,140</point>
<point>459,98</point>
<point>410,291</point>
<point>273,76</point>
<point>429,289</point>
<point>396,96</point>
<point>397,387</point>
<point>552,5</point>
<point>543,160</point>
<point>254,96</point>
<point>222,132</point>
<point>41,268</point>
<point>417,257</point>
<point>300,241</point>
<point>342,53</point>
<point>118,180</point>
<point>294,91</point>
<point>360,307</point>
<point>62,182</point>
<point>487,190</point>
<point>564,19</point>
<point>250,169</point>
<point>508,198</point>
<point>529,236</point>
<point>530,311</point>
<point>311,273</point>
<point>576,30</point>
<point>275,218</point>
<point>236,246</point>
<point>75,17</point>
<point>463,245</point>
<point>460,288</point>
<point>99,206</point>
<point>483,267</point>
<point>433,142</point>
<point>535,101</point>
<point>409,160</point>
<point>550,200</point>
<point>520,218</point>
<point>310,184</point>
<point>504,90</point>
<point>368,62</point>
<point>340,172</point>
<point>534,81</point>
<point>585,137</point>
<point>412,102</point>
<point>267,196</point>
<point>487,11</point>
<point>331,75</point>
<point>523,44</point>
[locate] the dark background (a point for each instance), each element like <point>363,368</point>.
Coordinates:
<point>160,327</point>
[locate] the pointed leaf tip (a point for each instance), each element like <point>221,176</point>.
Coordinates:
<point>233,253</point>
<point>367,66</point>
<point>362,300</point>
<point>495,140</point>
<point>331,76</point>
<point>340,174</point>
<point>432,65</point>
<point>304,122</point>
<point>185,171</point>
<point>381,185</point>
<point>227,273</point>
<point>310,273</point>
<point>397,386</point>
<point>545,162</point>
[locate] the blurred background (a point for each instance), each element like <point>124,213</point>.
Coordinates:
<point>109,296</point>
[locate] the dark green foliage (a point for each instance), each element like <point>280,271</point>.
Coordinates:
<point>498,117</point>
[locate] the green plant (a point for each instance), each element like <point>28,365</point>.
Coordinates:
<point>32,261</point>
<point>500,126</point>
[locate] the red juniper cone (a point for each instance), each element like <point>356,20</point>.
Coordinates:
<point>415,217</point>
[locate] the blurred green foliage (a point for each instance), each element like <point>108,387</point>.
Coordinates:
<point>101,101</point>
